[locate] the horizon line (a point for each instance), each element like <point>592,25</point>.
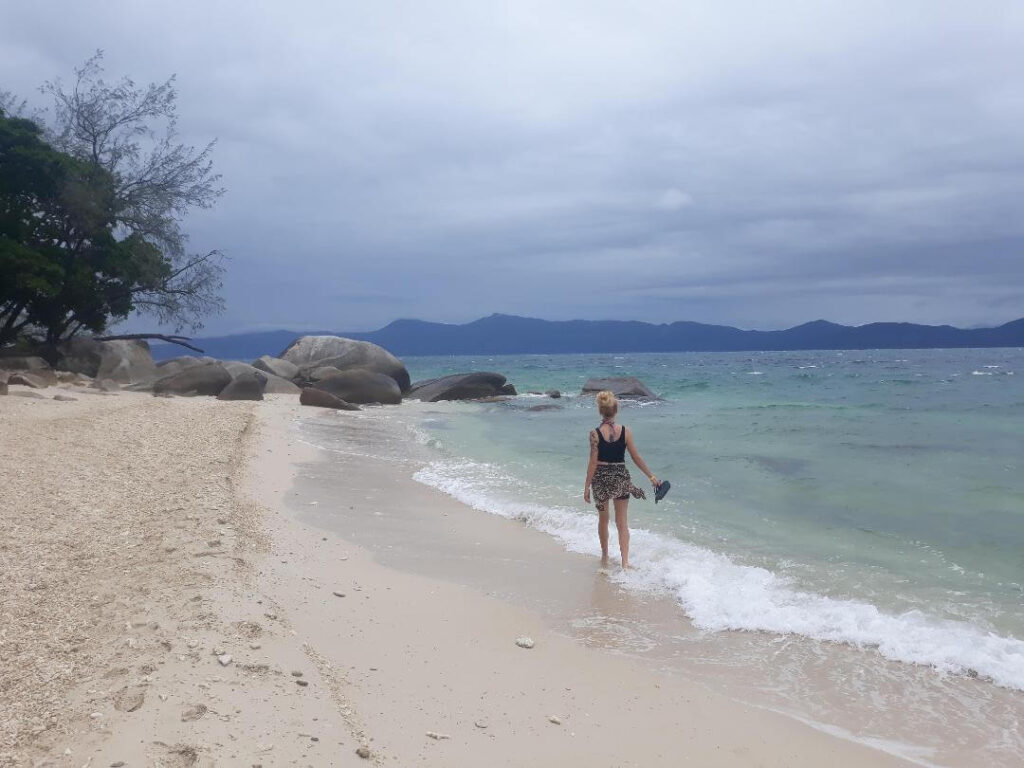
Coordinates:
<point>318,331</point>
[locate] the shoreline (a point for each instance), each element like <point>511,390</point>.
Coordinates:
<point>670,718</point>
<point>419,669</point>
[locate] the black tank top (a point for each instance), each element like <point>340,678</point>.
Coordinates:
<point>614,452</point>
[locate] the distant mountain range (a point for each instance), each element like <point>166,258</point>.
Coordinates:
<point>510,335</point>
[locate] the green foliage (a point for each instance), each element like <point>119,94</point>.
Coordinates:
<point>90,213</point>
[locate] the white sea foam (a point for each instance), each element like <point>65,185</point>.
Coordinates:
<point>719,594</point>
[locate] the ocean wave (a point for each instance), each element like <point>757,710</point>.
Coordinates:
<point>719,594</point>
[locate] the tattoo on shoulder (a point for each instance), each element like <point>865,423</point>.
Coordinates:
<point>593,438</point>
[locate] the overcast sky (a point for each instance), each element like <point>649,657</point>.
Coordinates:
<point>748,163</point>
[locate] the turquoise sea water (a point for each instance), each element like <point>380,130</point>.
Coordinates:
<point>872,498</point>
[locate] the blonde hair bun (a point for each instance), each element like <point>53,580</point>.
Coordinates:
<point>607,404</point>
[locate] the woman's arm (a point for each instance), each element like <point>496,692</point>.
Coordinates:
<point>638,459</point>
<point>591,466</point>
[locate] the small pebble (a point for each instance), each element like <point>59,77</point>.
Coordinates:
<point>364,753</point>
<point>480,723</point>
<point>296,673</point>
<point>255,646</point>
<point>339,594</point>
<point>524,642</point>
<point>302,683</point>
<point>437,736</point>
<point>224,659</point>
<point>118,764</point>
<point>555,719</point>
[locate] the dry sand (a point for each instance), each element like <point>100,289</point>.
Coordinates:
<point>131,556</point>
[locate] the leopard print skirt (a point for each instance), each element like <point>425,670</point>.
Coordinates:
<point>612,481</point>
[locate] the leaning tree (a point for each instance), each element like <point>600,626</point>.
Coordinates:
<point>110,168</point>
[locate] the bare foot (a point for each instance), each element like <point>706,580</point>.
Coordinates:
<point>604,561</point>
<point>628,567</point>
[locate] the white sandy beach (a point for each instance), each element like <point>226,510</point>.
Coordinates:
<point>144,540</point>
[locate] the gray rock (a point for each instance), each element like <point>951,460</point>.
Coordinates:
<point>24,364</point>
<point>362,386</point>
<point>245,386</point>
<point>127,361</point>
<point>346,354</point>
<point>544,407</point>
<point>318,373</point>
<point>65,398</point>
<point>276,366</point>
<point>33,380</point>
<point>620,386</point>
<point>278,386</point>
<point>178,364</point>
<point>274,385</point>
<point>29,393</point>
<point>205,379</point>
<point>70,377</point>
<point>106,385</point>
<point>318,398</point>
<point>553,393</point>
<point>461,386</point>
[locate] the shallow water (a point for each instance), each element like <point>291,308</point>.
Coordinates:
<point>873,500</point>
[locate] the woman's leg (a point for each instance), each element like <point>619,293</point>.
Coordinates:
<point>621,507</point>
<point>602,532</point>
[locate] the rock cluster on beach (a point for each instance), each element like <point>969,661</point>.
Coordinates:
<point>324,371</point>
<point>311,352</point>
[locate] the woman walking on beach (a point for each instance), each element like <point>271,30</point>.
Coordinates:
<point>608,477</point>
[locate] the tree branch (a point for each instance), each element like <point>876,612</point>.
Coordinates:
<point>180,340</point>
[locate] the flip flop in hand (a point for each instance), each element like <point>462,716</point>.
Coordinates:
<point>662,489</point>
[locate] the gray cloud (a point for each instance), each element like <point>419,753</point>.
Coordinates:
<point>744,163</point>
